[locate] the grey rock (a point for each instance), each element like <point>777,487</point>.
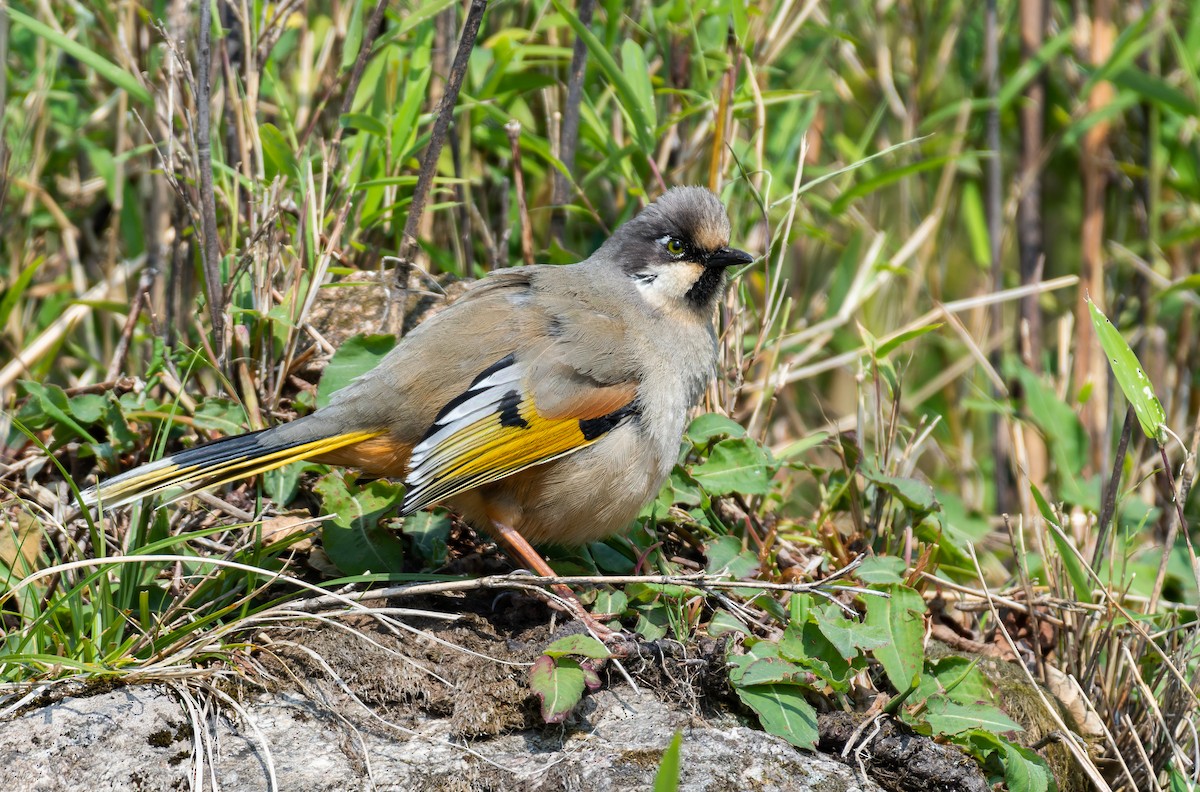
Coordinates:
<point>142,738</point>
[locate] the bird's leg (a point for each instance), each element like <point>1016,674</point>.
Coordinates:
<point>523,553</point>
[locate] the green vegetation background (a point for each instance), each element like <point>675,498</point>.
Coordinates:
<point>934,189</point>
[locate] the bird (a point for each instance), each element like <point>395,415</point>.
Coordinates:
<point>545,405</point>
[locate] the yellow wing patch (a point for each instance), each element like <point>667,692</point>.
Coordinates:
<point>499,444</point>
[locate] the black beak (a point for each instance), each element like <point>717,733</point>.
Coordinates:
<point>728,257</point>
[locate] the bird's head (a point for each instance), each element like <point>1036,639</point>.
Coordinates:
<point>676,250</point>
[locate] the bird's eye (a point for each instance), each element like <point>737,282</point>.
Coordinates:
<point>674,247</point>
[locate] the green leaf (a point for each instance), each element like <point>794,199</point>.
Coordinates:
<point>1156,90</point>
<point>358,355</point>
<point>98,63</point>
<point>352,536</point>
<point>1025,771</point>
<point>364,123</point>
<point>947,716</point>
<point>724,622</point>
<point>881,569</point>
<point>726,557</point>
<point>633,63</point>
<point>52,402</point>
<point>915,495</point>
<point>559,684</point>
<point>427,10</point>
<point>886,347</point>
<point>614,602</point>
<point>773,670</point>
<point>278,157</point>
<point>429,531</point>
<point>899,616</point>
<point>711,425</point>
<point>1131,377</point>
<point>973,217</point>
<point>735,465</point>
<point>224,415</point>
<point>667,777</point>
<point>847,635</point>
<point>1074,566</point>
<point>957,678</point>
<point>88,407</point>
<point>626,93</point>
<point>583,645</point>
<point>15,290</point>
<point>883,179</point>
<point>783,712</point>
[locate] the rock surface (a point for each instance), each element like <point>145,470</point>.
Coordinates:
<point>142,738</point>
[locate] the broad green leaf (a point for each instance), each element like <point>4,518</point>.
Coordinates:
<point>711,425</point>
<point>101,65</point>
<point>783,712</point>
<point>1025,771</point>
<point>614,602</point>
<point>354,33</point>
<point>726,557</point>
<point>947,716</point>
<point>724,622</point>
<point>15,290</point>
<point>899,616</point>
<point>915,495</point>
<point>224,415</point>
<point>773,670</point>
<point>427,10</point>
<point>559,684</point>
<point>1058,423</point>
<point>735,465</point>
<point>1131,377</point>
<point>881,569</point>
<point>88,407</point>
<point>358,355</point>
<point>957,678</point>
<point>808,647</point>
<point>667,777</point>
<point>846,635</point>
<point>429,531</point>
<point>352,536</point>
<point>1156,90</point>
<point>582,645</point>
<point>52,402</point>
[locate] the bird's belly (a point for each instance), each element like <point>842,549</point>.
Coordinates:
<point>587,496</point>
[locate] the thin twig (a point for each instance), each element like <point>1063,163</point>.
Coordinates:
<point>526,581</point>
<point>569,135</point>
<point>441,124</point>
<point>140,298</point>
<point>208,202</point>
<point>513,128</point>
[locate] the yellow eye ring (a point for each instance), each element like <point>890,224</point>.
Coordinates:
<point>674,247</point>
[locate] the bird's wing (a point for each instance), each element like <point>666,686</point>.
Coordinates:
<point>561,391</point>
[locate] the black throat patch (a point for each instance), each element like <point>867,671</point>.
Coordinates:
<point>706,287</point>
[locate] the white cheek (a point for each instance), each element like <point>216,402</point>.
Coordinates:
<point>672,283</point>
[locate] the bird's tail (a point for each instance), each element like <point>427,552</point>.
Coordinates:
<point>220,462</point>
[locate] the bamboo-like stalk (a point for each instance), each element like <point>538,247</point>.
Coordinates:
<point>1091,367</point>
